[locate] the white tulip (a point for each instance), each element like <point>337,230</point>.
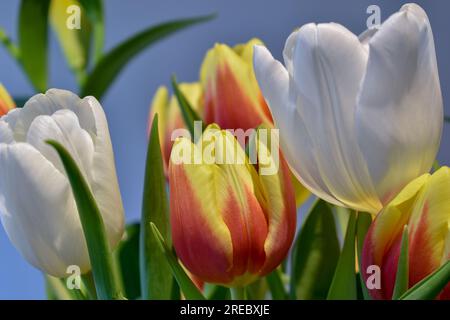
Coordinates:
<point>359,117</point>
<point>37,207</point>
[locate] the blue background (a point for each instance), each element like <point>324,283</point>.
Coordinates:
<point>128,99</point>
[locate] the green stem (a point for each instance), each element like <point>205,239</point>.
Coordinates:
<point>12,49</point>
<point>238,293</point>
<point>89,283</point>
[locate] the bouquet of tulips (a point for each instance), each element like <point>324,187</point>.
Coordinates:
<point>233,163</point>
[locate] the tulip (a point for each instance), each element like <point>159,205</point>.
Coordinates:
<point>169,114</point>
<point>230,224</point>
<point>6,102</point>
<point>37,206</point>
<point>359,118</point>
<point>232,97</point>
<point>227,94</point>
<point>424,206</point>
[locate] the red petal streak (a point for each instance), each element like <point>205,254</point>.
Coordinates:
<point>285,232</point>
<point>194,241</point>
<point>421,261</point>
<point>228,105</point>
<point>248,232</point>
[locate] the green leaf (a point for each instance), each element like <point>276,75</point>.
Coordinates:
<point>430,287</point>
<point>94,11</point>
<point>188,288</point>
<point>128,257</point>
<point>56,289</point>
<point>75,43</point>
<point>343,286</point>
<point>362,226</point>
<point>113,62</point>
<point>156,282</point>
<point>402,276</point>
<point>103,268</point>
<point>257,290</point>
<point>9,45</point>
<point>188,113</point>
<point>276,285</point>
<point>33,38</point>
<point>216,292</point>
<point>315,254</point>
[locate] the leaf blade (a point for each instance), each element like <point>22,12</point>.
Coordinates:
<point>188,113</point>
<point>343,286</point>
<point>113,62</point>
<point>33,41</point>
<point>186,285</point>
<point>402,276</point>
<point>429,287</point>
<point>156,282</point>
<point>362,226</point>
<point>315,254</point>
<point>276,286</point>
<point>103,268</point>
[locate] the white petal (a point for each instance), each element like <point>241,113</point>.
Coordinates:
<point>38,211</point>
<point>295,142</point>
<point>399,116</point>
<point>105,185</point>
<point>6,134</point>
<point>63,127</point>
<point>328,65</point>
<point>47,104</point>
<point>288,51</point>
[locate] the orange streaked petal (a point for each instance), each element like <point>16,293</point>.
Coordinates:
<point>6,102</point>
<point>232,96</point>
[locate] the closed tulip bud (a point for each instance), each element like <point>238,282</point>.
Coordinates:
<point>231,94</point>
<point>359,118</point>
<point>37,206</point>
<point>169,114</point>
<point>6,102</point>
<point>424,206</point>
<point>230,224</point>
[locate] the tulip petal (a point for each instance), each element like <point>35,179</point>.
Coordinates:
<point>429,227</point>
<point>399,116</point>
<point>92,120</point>
<point>232,98</point>
<point>6,102</point>
<point>328,65</point>
<point>6,134</point>
<point>47,104</point>
<point>53,239</point>
<point>200,236</point>
<point>273,80</point>
<point>105,185</point>
<point>62,126</point>
<point>383,240</point>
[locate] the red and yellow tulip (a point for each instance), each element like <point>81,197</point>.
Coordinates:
<point>227,94</point>
<point>169,114</point>
<point>230,224</point>
<point>6,102</point>
<point>232,97</point>
<point>424,206</point>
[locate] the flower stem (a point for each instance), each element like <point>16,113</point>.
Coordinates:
<point>239,293</point>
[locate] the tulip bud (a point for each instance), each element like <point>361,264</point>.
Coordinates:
<point>6,102</point>
<point>359,118</point>
<point>37,206</point>
<point>424,206</point>
<point>169,114</point>
<point>232,96</point>
<point>230,224</point>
